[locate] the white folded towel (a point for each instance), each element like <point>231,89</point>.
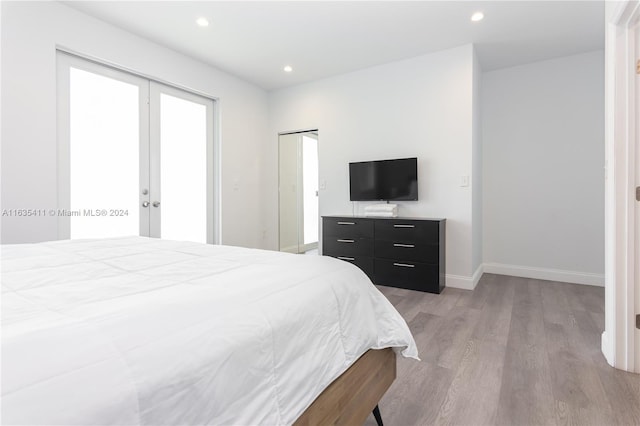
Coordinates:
<point>381,214</point>
<point>381,208</point>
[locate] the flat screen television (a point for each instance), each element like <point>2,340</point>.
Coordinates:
<point>389,180</point>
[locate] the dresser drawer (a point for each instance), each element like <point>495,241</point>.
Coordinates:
<point>414,251</point>
<point>342,246</point>
<point>407,231</point>
<point>398,252</point>
<point>362,262</point>
<point>347,227</point>
<point>405,274</point>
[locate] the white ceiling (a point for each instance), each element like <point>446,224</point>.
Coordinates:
<point>254,40</point>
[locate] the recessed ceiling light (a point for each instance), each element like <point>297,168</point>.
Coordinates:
<point>478,16</point>
<point>203,22</point>
<point>288,68</point>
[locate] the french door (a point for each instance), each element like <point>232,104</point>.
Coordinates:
<point>135,156</point>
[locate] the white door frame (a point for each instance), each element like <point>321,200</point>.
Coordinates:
<point>637,204</point>
<point>621,273</point>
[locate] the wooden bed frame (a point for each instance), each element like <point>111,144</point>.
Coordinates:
<point>350,398</point>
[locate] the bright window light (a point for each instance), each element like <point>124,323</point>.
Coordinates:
<point>104,155</point>
<point>183,166</point>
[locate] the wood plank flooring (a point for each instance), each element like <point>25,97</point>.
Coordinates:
<point>514,351</point>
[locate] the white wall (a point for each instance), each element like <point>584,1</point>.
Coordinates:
<point>543,143</point>
<point>537,141</point>
<point>418,107</point>
<point>30,33</point>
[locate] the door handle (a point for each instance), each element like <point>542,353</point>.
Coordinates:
<point>346,241</point>
<point>156,203</point>
<point>145,204</point>
<point>404,245</point>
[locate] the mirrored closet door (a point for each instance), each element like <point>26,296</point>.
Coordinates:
<point>298,192</point>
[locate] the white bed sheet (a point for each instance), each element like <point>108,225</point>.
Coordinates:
<point>138,331</point>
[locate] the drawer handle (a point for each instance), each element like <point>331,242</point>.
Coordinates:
<point>346,241</point>
<point>404,226</point>
<point>346,223</point>
<point>404,265</point>
<point>404,245</point>
<point>350,259</point>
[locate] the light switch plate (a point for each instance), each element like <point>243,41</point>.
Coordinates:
<point>464,181</point>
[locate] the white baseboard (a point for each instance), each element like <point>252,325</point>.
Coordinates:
<point>545,274</point>
<point>475,278</point>
<point>463,282</point>
<point>459,281</point>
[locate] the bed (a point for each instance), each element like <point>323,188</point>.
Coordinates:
<point>143,331</point>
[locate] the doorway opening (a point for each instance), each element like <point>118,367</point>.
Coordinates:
<point>298,192</point>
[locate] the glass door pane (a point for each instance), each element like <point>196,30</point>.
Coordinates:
<point>104,160</point>
<point>181,190</point>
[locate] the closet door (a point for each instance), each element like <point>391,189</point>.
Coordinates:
<point>103,151</point>
<point>298,191</point>
<point>181,165</point>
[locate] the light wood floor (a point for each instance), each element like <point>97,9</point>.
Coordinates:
<point>514,351</point>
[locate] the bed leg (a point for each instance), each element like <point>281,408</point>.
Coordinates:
<point>376,414</point>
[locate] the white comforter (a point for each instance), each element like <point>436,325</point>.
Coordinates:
<point>135,331</point>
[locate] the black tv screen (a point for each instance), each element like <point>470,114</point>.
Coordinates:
<point>384,180</point>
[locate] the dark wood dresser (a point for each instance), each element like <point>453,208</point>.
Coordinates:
<point>398,252</point>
